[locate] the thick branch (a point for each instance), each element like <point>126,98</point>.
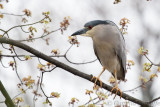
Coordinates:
<point>68,68</point>
<point>8,100</point>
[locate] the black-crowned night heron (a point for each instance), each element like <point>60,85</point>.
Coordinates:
<point>109,47</point>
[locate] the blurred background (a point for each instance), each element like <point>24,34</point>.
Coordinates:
<point>143,30</point>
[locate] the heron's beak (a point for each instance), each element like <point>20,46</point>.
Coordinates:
<point>79,32</point>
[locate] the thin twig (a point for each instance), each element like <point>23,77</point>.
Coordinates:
<point>76,63</point>
<point>151,61</point>
<point>4,46</point>
<point>42,88</point>
<point>12,14</point>
<point>34,98</point>
<point>15,64</point>
<point>137,86</point>
<point>17,55</point>
<point>35,38</point>
<point>23,25</point>
<point>51,69</point>
<point>40,61</point>
<point>98,101</point>
<point>153,100</point>
<point>29,55</point>
<point>51,56</point>
<point>20,93</point>
<point>24,30</point>
<point>91,100</point>
<point>3,64</point>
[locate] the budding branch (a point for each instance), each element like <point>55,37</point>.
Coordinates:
<point>69,69</point>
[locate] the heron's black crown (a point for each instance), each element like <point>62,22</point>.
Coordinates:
<point>98,22</point>
<point>91,24</point>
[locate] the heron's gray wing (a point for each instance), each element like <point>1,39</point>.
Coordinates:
<point>122,59</point>
<point>121,52</point>
<point>95,51</point>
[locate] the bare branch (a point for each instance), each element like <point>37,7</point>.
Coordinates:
<point>11,14</point>
<point>24,30</point>
<point>138,86</point>
<point>151,61</point>
<point>23,25</point>
<point>65,56</point>
<point>17,55</point>
<point>69,69</point>
<point>37,87</point>
<point>15,64</point>
<point>91,100</point>
<point>8,100</point>
<point>42,88</point>
<point>20,93</point>
<point>43,35</point>
<point>3,64</point>
<point>29,55</point>
<point>154,100</point>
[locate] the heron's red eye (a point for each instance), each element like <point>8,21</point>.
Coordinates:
<point>90,27</point>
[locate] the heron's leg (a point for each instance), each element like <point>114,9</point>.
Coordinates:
<point>116,86</point>
<point>97,78</point>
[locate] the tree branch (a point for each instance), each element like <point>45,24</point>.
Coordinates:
<point>13,14</point>
<point>69,69</point>
<point>151,61</point>
<point>8,100</point>
<point>6,32</point>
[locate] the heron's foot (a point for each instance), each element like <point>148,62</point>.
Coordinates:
<point>97,78</point>
<point>117,90</point>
